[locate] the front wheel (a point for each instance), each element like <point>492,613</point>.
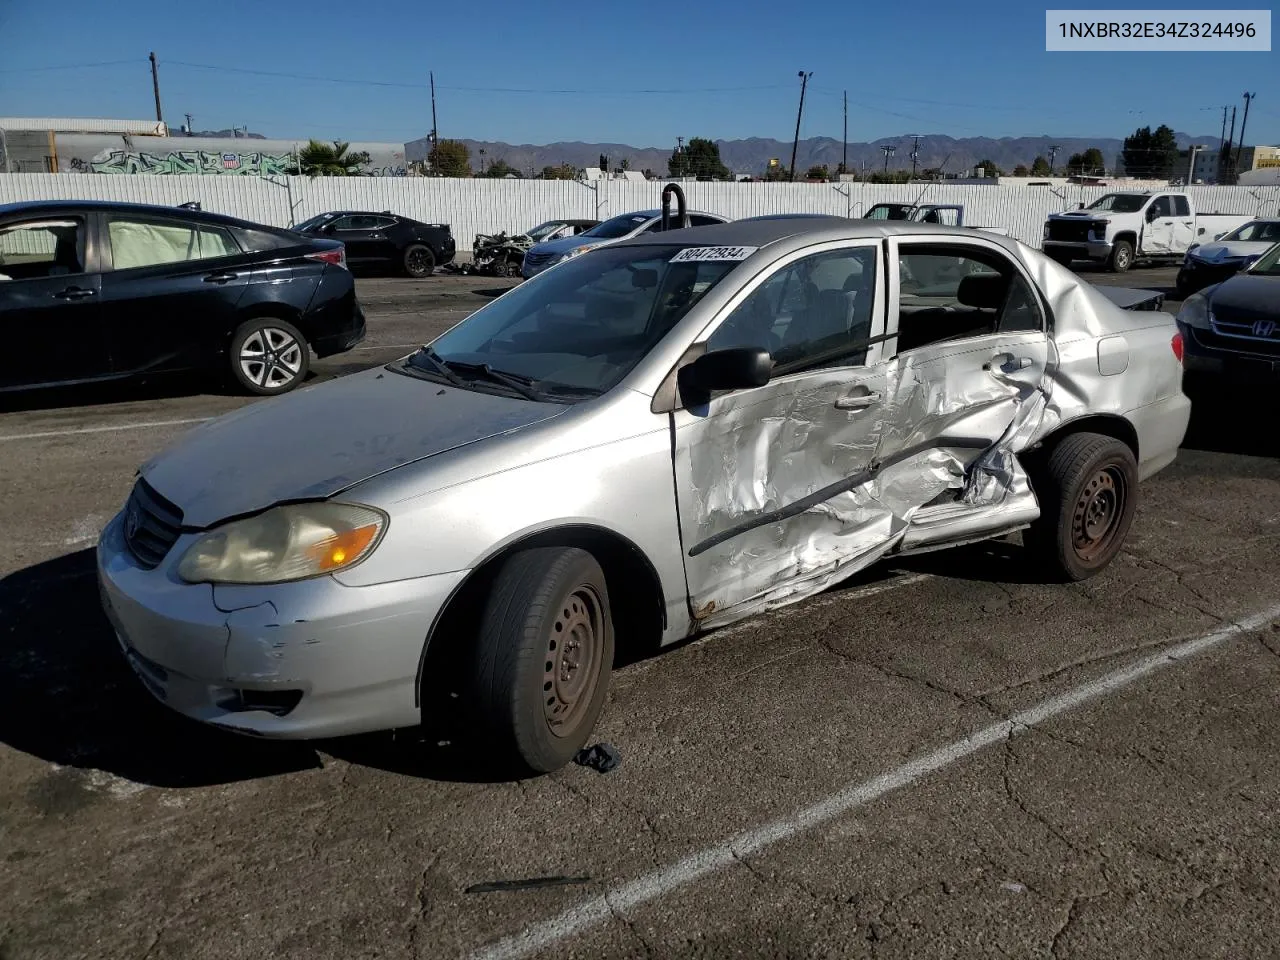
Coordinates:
<point>1121,256</point>
<point>1087,491</point>
<point>419,261</point>
<point>269,356</point>
<point>543,656</point>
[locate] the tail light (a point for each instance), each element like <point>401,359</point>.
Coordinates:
<point>1176,343</point>
<point>336,257</point>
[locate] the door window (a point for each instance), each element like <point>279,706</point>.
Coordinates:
<point>1161,208</point>
<point>811,314</point>
<point>357,222</point>
<point>148,243</point>
<point>1181,207</point>
<point>42,248</point>
<point>951,294</point>
<point>702,220</point>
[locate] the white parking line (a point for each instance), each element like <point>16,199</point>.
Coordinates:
<point>692,868</point>
<point>121,426</point>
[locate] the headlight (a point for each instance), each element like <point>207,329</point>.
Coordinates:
<point>1195,310</point>
<point>577,250</point>
<point>291,542</point>
<point>1046,231</point>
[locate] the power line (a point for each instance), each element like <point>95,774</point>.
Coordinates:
<point>136,61</point>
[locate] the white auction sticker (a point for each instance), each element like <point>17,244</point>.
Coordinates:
<point>1155,31</point>
<point>704,254</point>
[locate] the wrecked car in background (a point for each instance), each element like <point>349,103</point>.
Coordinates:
<point>614,230</point>
<point>501,254</point>
<point>478,528</point>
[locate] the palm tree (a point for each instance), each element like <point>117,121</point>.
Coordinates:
<point>322,160</point>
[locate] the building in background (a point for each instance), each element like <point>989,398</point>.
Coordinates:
<point>38,145</point>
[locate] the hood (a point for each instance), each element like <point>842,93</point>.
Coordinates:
<point>1246,298</point>
<point>317,441</point>
<point>565,244</point>
<point>1080,215</point>
<point>1231,249</point>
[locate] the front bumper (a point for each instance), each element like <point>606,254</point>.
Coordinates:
<point>1196,274</point>
<point>1212,354</point>
<point>1079,250</point>
<point>297,660</point>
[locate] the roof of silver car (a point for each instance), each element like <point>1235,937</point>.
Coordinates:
<point>760,232</point>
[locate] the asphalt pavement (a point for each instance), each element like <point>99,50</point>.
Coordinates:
<point>943,758</point>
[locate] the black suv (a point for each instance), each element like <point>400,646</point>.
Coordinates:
<point>385,240</point>
<point>91,290</point>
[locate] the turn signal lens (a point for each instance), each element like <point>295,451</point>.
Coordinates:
<point>337,551</point>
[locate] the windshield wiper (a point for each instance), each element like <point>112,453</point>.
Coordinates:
<point>521,385</point>
<point>441,367</point>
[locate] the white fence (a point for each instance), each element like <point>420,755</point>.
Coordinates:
<point>487,206</point>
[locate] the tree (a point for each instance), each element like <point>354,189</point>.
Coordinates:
<point>1151,156</point>
<point>625,164</point>
<point>500,168</point>
<point>989,168</point>
<point>563,171</point>
<point>699,158</point>
<point>777,171</point>
<point>1040,167</point>
<point>1089,162</point>
<point>818,173</point>
<point>450,158</point>
<point>604,163</point>
<point>323,160</point>
<point>1021,170</point>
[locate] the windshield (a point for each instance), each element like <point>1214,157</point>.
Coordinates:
<point>544,229</point>
<point>314,222</point>
<point>580,328</point>
<point>1269,264</point>
<point>1265,231</point>
<point>1119,203</point>
<point>889,211</point>
<point>617,227</point>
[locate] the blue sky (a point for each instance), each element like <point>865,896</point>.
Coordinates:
<point>723,70</point>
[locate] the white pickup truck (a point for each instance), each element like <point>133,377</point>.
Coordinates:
<point>1120,228</point>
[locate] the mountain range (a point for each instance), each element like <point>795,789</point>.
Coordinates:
<point>751,156</point>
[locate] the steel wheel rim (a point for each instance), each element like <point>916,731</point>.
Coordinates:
<point>574,654</point>
<point>417,260</point>
<point>1098,512</point>
<point>271,357</point>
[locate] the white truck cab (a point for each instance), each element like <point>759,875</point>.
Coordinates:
<point>1120,228</point>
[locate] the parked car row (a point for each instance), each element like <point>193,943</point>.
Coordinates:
<point>826,392</point>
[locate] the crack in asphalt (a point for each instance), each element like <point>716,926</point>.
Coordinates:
<point>656,837</point>
<point>418,905</point>
<point>630,925</point>
<point>1010,758</point>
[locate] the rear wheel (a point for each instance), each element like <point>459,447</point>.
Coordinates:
<point>419,261</point>
<point>1121,256</point>
<point>269,356</point>
<point>508,268</point>
<point>1088,492</point>
<point>542,659</point>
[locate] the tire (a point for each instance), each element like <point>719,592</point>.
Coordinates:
<point>1087,490</point>
<point>1121,257</point>
<point>509,268</point>
<point>269,356</point>
<point>536,710</point>
<point>419,261</point>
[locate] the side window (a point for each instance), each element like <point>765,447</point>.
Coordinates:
<point>656,226</point>
<point>42,248</point>
<point>259,241</point>
<point>701,220</point>
<point>1181,208</point>
<point>1162,208</point>
<point>360,222</point>
<point>382,223</point>
<point>950,294</point>
<point>811,314</point>
<point>342,223</point>
<point>148,243</point>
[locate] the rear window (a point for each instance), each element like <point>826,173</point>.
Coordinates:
<point>259,241</point>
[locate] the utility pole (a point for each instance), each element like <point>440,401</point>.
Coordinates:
<point>844,157</point>
<point>1053,156</point>
<point>795,144</point>
<point>1191,167</point>
<point>915,153</point>
<point>888,149</point>
<point>155,86</point>
<point>1225,170</point>
<point>435,133</point>
<point>1244,120</point>
<point>1223,139</point>
<point>191,131</point>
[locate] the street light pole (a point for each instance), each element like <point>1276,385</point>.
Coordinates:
<point>795,144</point>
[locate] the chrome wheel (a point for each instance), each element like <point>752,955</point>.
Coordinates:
<point>271,358</point>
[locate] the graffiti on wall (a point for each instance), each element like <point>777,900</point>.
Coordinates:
<point>255,164</point>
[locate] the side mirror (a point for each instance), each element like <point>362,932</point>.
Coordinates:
<point>735,368</point>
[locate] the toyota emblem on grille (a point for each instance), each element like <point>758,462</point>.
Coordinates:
<point>131,520</point>
<point>1264,328</point>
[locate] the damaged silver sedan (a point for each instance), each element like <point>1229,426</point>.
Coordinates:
<point>657,438</point>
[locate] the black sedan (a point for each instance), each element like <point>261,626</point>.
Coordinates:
<point>99,291</point>
<point>1232,329</point>
<point>385,240</point>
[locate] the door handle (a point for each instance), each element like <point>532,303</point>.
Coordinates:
<point>220,277</point>
<point>859,402</point>
<point>1008,362</point>
<point>73,293</point>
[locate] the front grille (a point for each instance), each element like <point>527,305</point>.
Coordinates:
<point>534,260</point>
<point>1238,338</point>
<point>1069,231</point>
<point>151,525</point>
